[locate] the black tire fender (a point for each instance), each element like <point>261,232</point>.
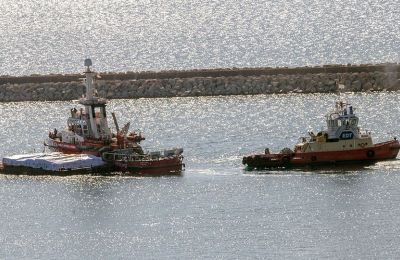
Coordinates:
<point>285,160</point>
<point>370,153</point>
<point>244,161</point>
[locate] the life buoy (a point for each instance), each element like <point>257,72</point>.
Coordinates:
<point>370,154</point>
<point>362,145</point>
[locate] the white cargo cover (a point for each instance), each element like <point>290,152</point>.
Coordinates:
<point>53,161</point>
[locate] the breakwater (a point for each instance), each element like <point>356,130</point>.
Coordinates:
<point>208,82</point>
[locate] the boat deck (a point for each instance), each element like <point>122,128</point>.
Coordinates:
<point>52,164</point>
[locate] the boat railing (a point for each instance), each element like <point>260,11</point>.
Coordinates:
<point>124,156</point>
<point>121,156</point>
<point>364,133</point>
<point>134,153</point>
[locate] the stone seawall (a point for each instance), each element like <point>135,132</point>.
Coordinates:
<point>206,83</point>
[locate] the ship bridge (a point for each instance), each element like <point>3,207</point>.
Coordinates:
<point>92,122</point>
<point>342,123</point>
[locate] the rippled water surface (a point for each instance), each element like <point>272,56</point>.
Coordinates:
<point>215,209</point>
<point>54,36</point>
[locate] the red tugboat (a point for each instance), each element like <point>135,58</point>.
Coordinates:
<point>135,161</point>
<point>87,128</point>
<point>342,141</point>
<point>88,133</point>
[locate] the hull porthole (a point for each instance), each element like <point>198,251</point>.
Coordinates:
<point>370,154</point>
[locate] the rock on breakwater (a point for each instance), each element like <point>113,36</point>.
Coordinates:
<point>206,83</point>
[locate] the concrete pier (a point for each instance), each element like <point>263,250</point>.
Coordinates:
<point>207,82</point>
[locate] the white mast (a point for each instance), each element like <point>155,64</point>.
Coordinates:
<point>94,106</point>
<point>89,79</point>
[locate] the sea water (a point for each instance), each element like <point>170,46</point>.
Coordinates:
<point>126,35</point>
<point>215,209</point>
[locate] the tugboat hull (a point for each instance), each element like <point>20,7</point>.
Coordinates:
<point>86,148</point>
<point>378,152</point>
<point>162,166</point>
<point>130,161</point>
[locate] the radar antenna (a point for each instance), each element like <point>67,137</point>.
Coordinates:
<point>88,63</point>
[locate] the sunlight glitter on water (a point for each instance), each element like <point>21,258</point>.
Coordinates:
<point>215,203</point>
<point>128,35</point>
<point>212,130</point>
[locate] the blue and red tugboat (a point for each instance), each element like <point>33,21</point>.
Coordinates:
<point>342,141</point>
